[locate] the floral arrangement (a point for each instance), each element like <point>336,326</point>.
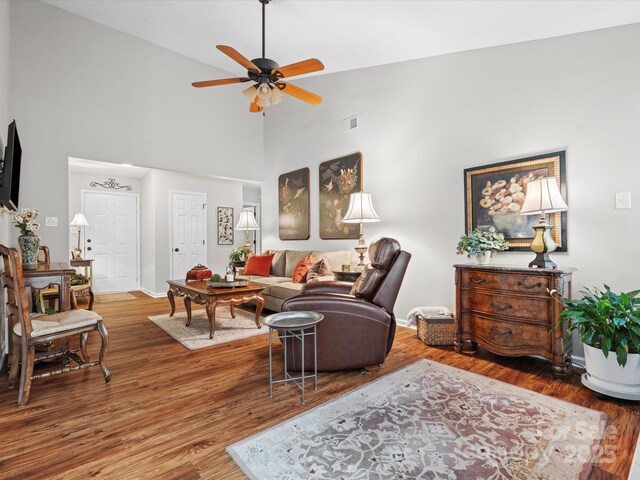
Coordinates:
<point>238,254</point>
<point>479,241</point>
<point>504,197</point>
<point>25,219</point>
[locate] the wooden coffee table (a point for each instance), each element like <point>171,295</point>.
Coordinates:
<point>200,293</point>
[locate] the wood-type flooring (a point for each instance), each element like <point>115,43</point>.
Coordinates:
<point>169,413</point>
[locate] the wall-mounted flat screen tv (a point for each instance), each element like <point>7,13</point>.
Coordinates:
<point>10,178</point>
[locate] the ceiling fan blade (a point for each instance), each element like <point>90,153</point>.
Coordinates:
<point>305,66</point>
<point>254,107</point>
<point>301,94</point>
<point>238,57</point>
<point>223,81</point>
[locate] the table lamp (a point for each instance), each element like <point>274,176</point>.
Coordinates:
<point>543,196</point>
<point>78,221</point>
<point>361,211</point>
<point>247,222</point>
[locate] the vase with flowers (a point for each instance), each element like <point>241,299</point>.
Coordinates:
<point>481,245</point>
<point>28,241</point>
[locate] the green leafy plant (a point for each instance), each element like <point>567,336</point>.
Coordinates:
<point>606,320</point>
<point>79,279</point>
<point>238,254</point>
<point>479,241</point>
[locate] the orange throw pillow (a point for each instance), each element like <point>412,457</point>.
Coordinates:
<point>258,265</point>
<point>302,268</point>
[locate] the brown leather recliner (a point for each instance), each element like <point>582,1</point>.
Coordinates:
<point>359,324</point>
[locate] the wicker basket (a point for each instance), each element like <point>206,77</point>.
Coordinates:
<point>436,330</point>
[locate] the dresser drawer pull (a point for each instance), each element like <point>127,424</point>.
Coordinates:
<point>529,287</point>
<point>495,331</point>
<point>501,308</point>
<point>478,280</point>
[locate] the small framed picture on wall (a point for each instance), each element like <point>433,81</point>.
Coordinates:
<point>225,226</point>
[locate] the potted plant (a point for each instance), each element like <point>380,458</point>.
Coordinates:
<point>481,245</point>
<point>608,323</point>
<point>238,255</point>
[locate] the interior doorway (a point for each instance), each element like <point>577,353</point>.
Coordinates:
<point>111,239</point>
<point>188,231</point>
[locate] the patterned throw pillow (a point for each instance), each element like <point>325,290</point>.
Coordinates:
<point>258,265</point>
<point>302,268</point>
<point>319,269</point>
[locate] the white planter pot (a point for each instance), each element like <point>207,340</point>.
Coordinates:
<point>482,258</point>
<point>605,376</point>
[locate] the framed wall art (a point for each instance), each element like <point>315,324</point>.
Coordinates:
<point>293,205</point>
<point>338,179</point>
<point>494,195</point>
<point>225,226</point>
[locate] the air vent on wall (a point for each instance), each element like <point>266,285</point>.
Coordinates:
<point>350,123</point>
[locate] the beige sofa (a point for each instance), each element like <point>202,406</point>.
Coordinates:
<point>279,285</point>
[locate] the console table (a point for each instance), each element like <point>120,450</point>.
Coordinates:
<point>509,311</point>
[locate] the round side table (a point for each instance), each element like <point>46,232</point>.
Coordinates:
<point>293,325</point>
<point>346,276</point>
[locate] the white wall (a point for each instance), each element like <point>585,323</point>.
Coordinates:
<point>422,122</point>
<point>83,90</point>
<point>220,193</point>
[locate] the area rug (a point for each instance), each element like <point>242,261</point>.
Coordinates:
<point>429,421</point>
<point>114,297</point>
<point>196,335</point>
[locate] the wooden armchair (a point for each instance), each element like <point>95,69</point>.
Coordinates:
<point>27,333</point>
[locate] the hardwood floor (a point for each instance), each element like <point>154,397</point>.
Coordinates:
<point>169,413</point>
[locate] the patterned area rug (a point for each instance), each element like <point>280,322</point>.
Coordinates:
<point>196,335</point>
<point>429,421</point>
<point>114,297</point>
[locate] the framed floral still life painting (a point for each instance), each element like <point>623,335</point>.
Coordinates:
<point>339,178</point>
<point>293,205</point>
<point>494,195</point>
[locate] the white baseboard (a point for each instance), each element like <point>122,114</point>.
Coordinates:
<point>403,322</point>
<point>153,294</point>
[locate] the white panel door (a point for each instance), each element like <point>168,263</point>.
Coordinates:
<point>188,232</point>
<point>111,240</point>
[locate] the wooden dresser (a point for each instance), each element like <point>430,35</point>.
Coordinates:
<point>509,311</point>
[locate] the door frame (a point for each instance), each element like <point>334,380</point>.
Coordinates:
<point>121,194</point>
<point>205,231</point>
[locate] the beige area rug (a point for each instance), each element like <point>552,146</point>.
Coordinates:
<point>114,297</point>
<point>429,421</point>
<point>196,335</point>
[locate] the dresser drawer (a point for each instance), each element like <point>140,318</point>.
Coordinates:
<point>527,308</point>
<point>531,284</point>
<point>505,334</point>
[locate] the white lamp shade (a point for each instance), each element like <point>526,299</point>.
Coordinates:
<point>543,196</point>
<point>360,209</point>
<point>247,221</point>
<point>79,221</point>
<point>276,96</point>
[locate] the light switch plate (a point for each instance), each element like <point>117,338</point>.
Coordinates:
<point>50,221</point>
<point>623,200</point>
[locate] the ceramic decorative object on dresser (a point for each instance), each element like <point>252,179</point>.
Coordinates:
<point>508,311</point>
<point>28,241</point>
<point>481,245</point>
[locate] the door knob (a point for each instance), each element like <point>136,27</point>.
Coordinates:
<point>88,240</point>
<point>176,249</point>
<point>88,248</point>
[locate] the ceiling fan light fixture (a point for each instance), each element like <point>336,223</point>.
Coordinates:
<point>250,93</point>
<point>276,96</point>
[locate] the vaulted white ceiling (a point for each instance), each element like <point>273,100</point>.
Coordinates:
<point>346,34</point>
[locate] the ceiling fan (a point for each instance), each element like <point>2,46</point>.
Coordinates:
<point>268,77</point>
